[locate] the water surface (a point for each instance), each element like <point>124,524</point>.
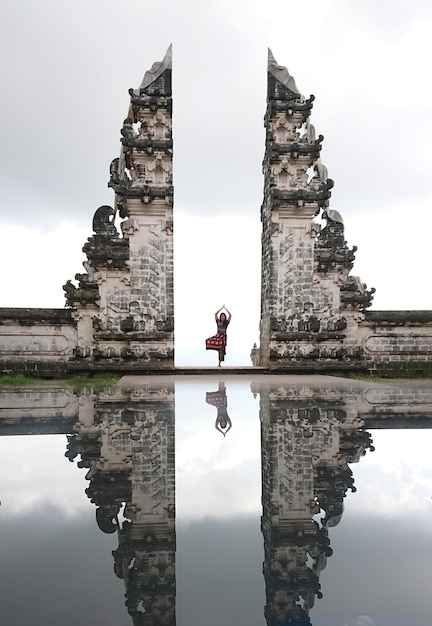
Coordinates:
<point>233,500</point>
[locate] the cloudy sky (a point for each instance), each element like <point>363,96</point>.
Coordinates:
<point>66,70</point>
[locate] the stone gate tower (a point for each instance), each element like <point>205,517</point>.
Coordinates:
<point>125,302</point>
<point>310,306</point>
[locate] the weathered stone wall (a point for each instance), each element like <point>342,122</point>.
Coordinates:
<point>397,342</point>
<point>36,340</point>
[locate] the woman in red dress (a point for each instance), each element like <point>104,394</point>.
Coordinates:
<point>219,341</point>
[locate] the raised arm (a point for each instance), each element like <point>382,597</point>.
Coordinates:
<point>218,427</point>
<point>228,314</point>
<point>217,312</point>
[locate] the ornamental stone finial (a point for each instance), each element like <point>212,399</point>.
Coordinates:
<point>157,69</point>
<point>282,74</point>
<point>333,216</point>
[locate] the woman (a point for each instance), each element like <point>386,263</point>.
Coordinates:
<point>219,341</point>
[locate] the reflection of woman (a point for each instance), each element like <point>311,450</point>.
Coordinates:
<point>219,399</point>
<point>219,341</point>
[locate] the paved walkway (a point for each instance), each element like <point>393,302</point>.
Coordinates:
<point>255,375</point>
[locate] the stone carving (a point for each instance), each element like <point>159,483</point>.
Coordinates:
<point>114,171</point>
<point>103,222</point>
<point>127,130</point>
<point>128,227</point>
<point>310,133</point>
<point>70,291</point>
<point>286,174</point>
<point>282,75</point>
<point>160,172</point>
<point>118,299</point>
<point>159,127</point>
<point>151,134</point>
<point>321,170</point>
<point>106,248</point>
<point>331,250</point>
<point>157,69</point>
<point>86,294</point>
<point>355,293</point>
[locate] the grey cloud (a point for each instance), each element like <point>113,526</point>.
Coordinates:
<point>380,568</point>
<point>219,572</point>
<point>388,18</point>
<point>376,174</point>
<point>58,570</point>
<point>67,71</point>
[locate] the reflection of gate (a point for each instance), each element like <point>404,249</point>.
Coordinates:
<point>311,433</point>
<point>128,448</point>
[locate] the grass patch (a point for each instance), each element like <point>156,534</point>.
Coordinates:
<point>367,377</point>
<point>398,375</point>
<point>15,379</point>
<point>97,382</point>
<point>423,375</point>
<point>18,379</point>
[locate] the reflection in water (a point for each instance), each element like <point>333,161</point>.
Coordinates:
<point>360,620</point>
<point>219,400</point>
<point>307,442</point>
<point>309,436</point>
<point>128,447</point>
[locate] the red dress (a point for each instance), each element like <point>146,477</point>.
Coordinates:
<point>219,341</point>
